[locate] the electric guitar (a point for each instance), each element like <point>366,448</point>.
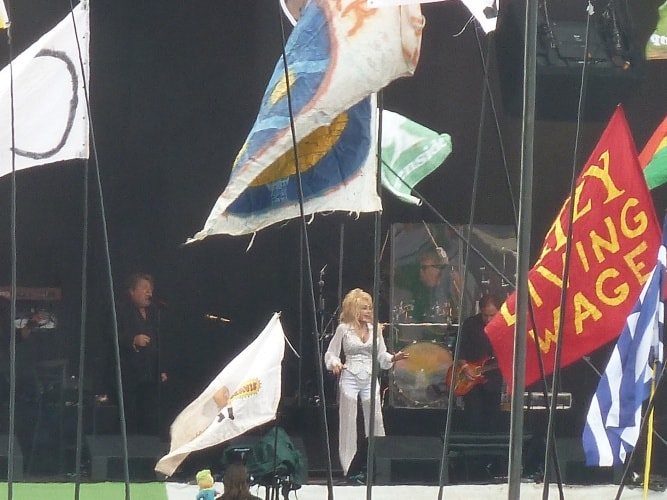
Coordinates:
<point>462,384</point>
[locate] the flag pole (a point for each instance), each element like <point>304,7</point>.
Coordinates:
<point>550,452</point>
<point>377,236</point>
<point>309,267</point>
<point>444,459</point>
<point>649,437</point>
<point>13,278</point>
<point>642,426</point>
<point>523,247</point>
<point>647,419</point>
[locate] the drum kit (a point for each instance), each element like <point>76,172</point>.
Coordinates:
<point>441,313</point>
<point>419,380</point>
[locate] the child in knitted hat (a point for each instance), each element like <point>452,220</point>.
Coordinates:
<point>205,482</point>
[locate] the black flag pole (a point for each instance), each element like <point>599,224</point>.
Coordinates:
<point>523,247</point>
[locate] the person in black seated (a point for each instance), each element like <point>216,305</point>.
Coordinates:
<point>482,401</point>
<point>138,329</point>
<point>434,295</point>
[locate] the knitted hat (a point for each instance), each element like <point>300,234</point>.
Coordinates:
<point>203,474</point>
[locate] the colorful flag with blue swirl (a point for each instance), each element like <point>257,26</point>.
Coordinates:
<point>338,54</point>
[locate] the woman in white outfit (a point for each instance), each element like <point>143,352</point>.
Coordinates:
<point>354,337</point>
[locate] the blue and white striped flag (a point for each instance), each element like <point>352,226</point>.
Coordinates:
<point>614,417</point>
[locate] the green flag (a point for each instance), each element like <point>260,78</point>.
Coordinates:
<point>410,152</point>
<point>656,171</point>
<point>653,157</point>
<point>656,48</point>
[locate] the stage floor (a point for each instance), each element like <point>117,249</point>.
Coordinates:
<point>180,491</point>
<point>466,492</point>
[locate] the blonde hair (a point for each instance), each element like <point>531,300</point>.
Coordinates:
<point>205,479</point>
<point>351,308</point>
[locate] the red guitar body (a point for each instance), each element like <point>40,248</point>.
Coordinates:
<point>463,384</point>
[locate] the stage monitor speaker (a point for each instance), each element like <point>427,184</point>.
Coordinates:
<point>407,459</point>
<point>573,466</point>
<point>107,462</point>
<point>614,71</point>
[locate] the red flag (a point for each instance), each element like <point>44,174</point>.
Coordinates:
<point>615,240</point>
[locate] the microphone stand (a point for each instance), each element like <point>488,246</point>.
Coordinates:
<point>321,307</point>
<point>321,310</point>
<point>158,332</point>
<point>588,361</point>
<point>321,303</point>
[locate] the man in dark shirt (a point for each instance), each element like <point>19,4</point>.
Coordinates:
<point>138,329</point>
<point>433,295</point>
<point>482,402</point>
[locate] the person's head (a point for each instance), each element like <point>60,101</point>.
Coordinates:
<point>140,289</point>
<point>357,307</point>
<point>235,482</point>
<point>431,264</point>
<point>489,305</point>
<point>205,479</point>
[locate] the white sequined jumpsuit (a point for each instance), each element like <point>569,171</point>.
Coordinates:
<point>355,381</point>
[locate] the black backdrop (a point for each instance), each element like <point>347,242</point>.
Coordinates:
<point>174,89</point>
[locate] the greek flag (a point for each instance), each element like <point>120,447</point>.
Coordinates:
<point>614,417</point>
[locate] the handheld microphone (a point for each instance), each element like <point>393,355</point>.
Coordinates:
<point>491,11</point>
<point>510,251</point>
<point>217,318</point>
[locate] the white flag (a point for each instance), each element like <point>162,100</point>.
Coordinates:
<point>50,114</point>
<point>245,394</point>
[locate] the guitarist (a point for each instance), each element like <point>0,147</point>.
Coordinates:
<point>482,402</point>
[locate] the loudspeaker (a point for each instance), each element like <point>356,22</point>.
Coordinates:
<point>614,69</point>
<point>107,462</point>
<point>18,458</point>
<point>573,466</point>
<point>407,459</point>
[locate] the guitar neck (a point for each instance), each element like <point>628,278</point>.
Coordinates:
<point>489,367</point>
